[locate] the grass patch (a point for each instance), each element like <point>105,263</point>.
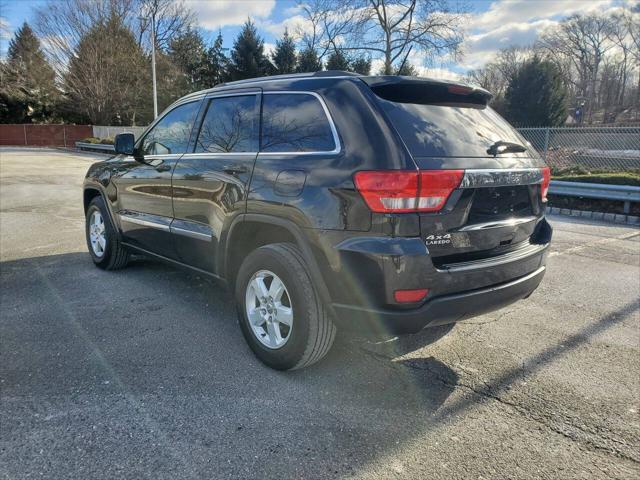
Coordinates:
<point>618,178</point>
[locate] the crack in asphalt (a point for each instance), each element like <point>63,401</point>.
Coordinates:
<point>520,409</point>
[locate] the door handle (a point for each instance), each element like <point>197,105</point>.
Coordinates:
<point>234,169</point>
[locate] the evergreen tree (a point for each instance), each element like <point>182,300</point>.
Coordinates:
<point>188,52</point>
<point>28,91</point>
<point>216,64</point>
<point>308,61</point>
<point>247,56</point>
<point>536,95</point>
<point>407,70</point>
<point>361,65</point>
<point>108,79</point>
<point>338,61</point>
<point>284,57</point>
<point>172,83</point>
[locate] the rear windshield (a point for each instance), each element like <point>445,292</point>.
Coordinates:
<point>450,130</point>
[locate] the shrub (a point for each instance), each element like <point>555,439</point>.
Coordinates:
<point>91,140</point>
<point>620,178</point>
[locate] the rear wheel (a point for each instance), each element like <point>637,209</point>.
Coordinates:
<point>103,240</point>
<point>281,315</point>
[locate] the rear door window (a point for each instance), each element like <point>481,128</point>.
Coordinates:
<point>295,123</point>
<point>449,130</point>
<point>230,125</point>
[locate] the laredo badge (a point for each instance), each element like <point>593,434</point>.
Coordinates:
<point>438,239</point>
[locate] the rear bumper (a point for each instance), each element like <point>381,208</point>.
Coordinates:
<point>439,310</point>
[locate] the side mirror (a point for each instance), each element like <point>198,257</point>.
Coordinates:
<point>124,143</point>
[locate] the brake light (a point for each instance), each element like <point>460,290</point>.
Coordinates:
<point>546,178</point>
<point>459,89</point>
<point>410,296</point>
<point>435,188</point>
<point>398,191</point>
<point>388,191</point>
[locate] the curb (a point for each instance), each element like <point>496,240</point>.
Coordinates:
<point>601,216</point>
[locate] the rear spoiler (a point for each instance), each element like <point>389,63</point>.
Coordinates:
<point>426,91</point>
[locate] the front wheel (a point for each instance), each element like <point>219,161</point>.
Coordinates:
<point>103,239</point>
<point>281,315</point>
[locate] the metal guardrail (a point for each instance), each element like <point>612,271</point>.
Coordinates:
<point>96,146</point>
<point>624,193</point>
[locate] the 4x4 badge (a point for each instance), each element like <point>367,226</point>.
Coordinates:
<point>438,239</point>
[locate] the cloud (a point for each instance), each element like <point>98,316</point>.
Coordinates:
<point>292,10</point>
<point>518,23</point>
<point>269,48</point>
<point>481,47</point>
<point>419,62</point>
<point>439,73</point>
<point>5,36</point>
<point>5,27</point>
<point>295,25</point>
<point>220,13</point>
<point>524,11</point>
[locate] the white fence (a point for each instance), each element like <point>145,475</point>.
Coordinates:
<point>101,131</point>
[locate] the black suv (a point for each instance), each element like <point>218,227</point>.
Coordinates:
<point>330,200</point>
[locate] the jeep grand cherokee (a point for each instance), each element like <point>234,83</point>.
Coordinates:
<point>330,200</point>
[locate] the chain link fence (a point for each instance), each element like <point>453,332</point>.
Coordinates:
<point>607,149</point>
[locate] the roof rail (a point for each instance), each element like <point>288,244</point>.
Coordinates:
<point>293,76</point>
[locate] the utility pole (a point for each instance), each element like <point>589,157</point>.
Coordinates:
<point>153,64</point>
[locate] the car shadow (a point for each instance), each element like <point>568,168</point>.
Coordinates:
<point>161,310</point>
<point>158,351</point>
<point>159,336</point>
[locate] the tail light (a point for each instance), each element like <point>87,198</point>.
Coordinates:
<point>546,178</point>
<point>398,191</point>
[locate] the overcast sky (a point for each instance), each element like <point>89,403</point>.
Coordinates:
<point>491,26</point>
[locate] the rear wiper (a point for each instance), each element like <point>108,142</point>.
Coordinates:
<point>505,147</point>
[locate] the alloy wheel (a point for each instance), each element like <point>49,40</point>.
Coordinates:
<point>97,234</point>
<point>269,310</point>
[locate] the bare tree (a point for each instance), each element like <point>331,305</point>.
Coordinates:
<point>327,23</point>
<point>488,77</point>
<point>100,52</point>
<point>61,25</point>
<point>390,29</point>
<point>172,18</point>
<point>106,75</point>
<point>584,40</point>
<point>496,75</point>
<point>627,37</point>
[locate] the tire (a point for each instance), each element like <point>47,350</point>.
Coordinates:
<point>112,255</point>
<point>311,333</point>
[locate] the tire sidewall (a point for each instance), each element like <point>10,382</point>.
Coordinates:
<point>97,205</point>
<point>303,303</point>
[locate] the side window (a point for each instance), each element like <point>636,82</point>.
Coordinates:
<point>230,125</point>
<point>171,134</point>
<point>295,123</point>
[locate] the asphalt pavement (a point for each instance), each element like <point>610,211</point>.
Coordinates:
<point>143,373</point>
